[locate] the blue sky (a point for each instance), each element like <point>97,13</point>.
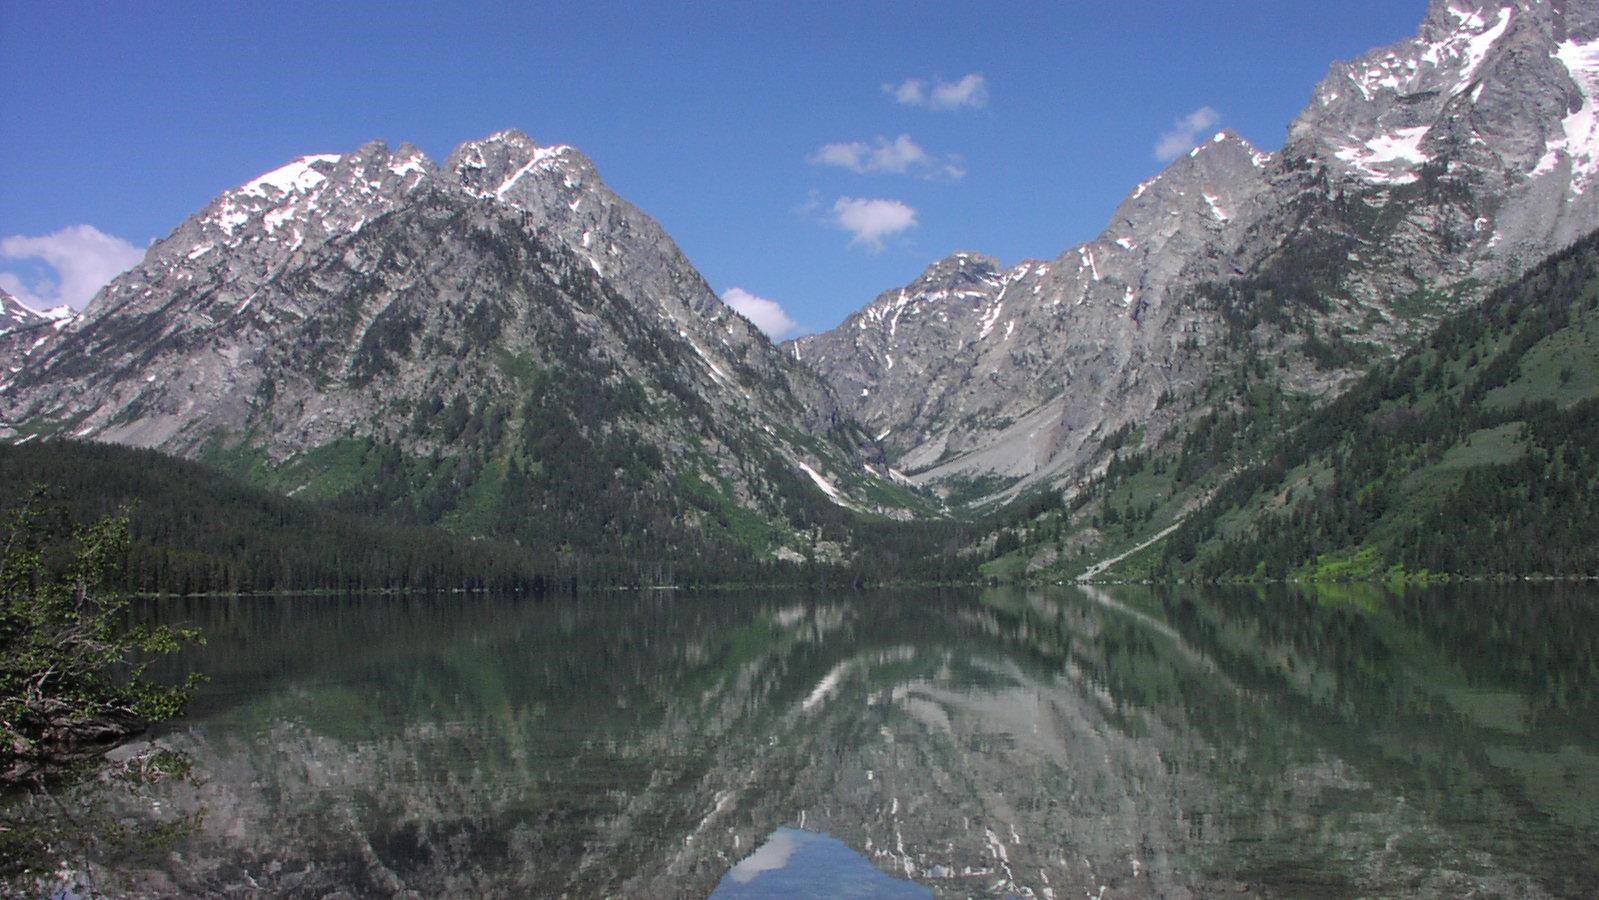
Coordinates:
<point>757,133</point>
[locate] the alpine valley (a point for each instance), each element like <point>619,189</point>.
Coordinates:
<point>500,346</point>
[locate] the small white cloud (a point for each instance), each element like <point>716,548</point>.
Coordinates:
<point>1185,133</point>
<point>901,156</point>
<point>885,155</point>
<point>845,156</point>
<point>970,90</point>
<point>870,221</point>
<point>910,92</point>
<point>84,259</point>
<point>768,315</point>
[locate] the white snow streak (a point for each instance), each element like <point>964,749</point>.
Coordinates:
<point>1216,208</point>
<point>296,177</point>
<point>1580,143</point>
<point>990,319</point>
<point>1476,49</point>
<point>540,155</point>
<point>828,684</point>
<point>826,486</point>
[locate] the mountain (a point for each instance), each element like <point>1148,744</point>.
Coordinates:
<point>23,331</point>
<point>1473,454</point>
<point>14,315</point>
<point>1419,175</point>
<point>501,345</point>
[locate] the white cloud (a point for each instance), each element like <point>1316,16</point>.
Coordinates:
<point>896,156</point>
<point>84,259</point>
<point>768,315</point>
<point>901,156</point>
<point>870,221</point>
<point>971,90</point>
<point>910,92</point>
<point>1185,133</point>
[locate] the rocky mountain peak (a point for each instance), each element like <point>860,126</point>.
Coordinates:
<point>959,272</point>
<point>1419,172</point>
<point>312,197</point>
<point>1483,85</point>
<point>13,314</point>
<point>499,166</point>
<point>370,299</point>
<point>24,331</point>
<point>1203,189</point>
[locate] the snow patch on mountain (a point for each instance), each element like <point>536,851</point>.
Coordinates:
<point>827,487</point>
<point>1580,140</point>
<point>542,157</point>
<point>1474,49</point>
<point>1389,158</point>
<point>297,177</point>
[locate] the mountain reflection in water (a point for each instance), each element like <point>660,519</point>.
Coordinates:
<point>1139,742</point>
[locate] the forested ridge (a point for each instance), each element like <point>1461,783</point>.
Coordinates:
<point>195,530</point>
<point>1475,454</point>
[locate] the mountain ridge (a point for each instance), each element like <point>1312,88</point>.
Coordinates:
<point>375,302</point>
<point>1419,174</point>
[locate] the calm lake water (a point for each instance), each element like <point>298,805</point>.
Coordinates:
<point>1064,743</point>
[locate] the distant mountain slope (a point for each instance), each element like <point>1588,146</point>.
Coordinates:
<point>14,315</point>
<point>503,347</point>
<point>197,531</point>
<point>1475,454</point>
<point>23,332</point>
<point>1419,175</point>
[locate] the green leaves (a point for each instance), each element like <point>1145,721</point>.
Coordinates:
<point>72,669</point>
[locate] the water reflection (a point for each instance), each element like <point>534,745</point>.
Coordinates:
<point>801,864</point>
<point>1130,742</point>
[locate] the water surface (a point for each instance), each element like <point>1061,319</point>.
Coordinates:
<point>1134,742</point>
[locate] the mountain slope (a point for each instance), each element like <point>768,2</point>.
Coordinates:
<point>1472,455</point>
<point>23,332</point>
<point>194,530</point>
<point>1419,174</point>
<point>502,346</point>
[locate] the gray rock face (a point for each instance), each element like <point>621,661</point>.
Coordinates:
<point>561,192</point>
<point>14,315</point>
<point>1418,175</point>
<point>345,296</point>
<point>973,369</point>
<point>24,332</point>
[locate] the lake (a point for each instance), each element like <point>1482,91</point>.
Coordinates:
<point>1071,742</point>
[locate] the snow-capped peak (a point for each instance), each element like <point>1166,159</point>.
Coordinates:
<point>15,314</point>
<point>297,177</point>
<point>542,157</point>
<point>277,187</point>
<point>1382,117</point>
